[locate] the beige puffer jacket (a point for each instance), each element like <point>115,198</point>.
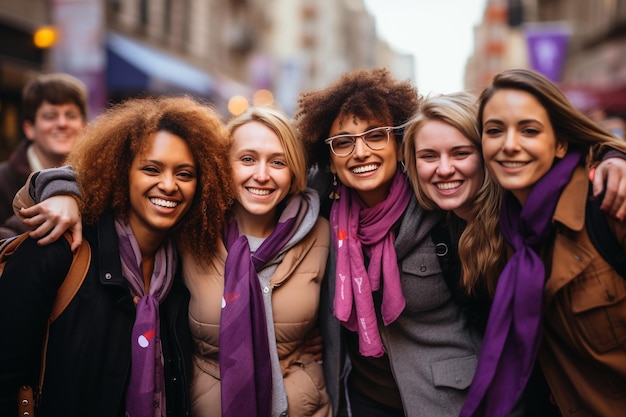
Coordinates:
<point>295,287</point>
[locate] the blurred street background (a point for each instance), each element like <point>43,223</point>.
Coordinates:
<point>237,52</point>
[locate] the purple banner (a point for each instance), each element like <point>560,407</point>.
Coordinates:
<point>547,49</point>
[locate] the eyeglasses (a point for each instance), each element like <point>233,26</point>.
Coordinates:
<point>375,139</point>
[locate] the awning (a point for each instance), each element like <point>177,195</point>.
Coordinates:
<point>587,98</point>
<point>132,66</point>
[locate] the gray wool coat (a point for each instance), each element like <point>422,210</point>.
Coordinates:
<point>432,349</point>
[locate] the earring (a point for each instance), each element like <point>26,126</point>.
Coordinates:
<point>334,195</point>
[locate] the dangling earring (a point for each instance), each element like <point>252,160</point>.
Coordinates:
<point>334,195</point>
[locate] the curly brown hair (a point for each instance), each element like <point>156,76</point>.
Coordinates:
<point>104,153</point>
<point>366,94</point>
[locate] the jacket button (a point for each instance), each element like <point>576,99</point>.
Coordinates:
<point>423,268</point>
<point>108,275</point>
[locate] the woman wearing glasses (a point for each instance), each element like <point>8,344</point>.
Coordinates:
<point>394,339</point>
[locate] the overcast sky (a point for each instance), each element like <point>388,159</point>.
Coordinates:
<point>439,33</point>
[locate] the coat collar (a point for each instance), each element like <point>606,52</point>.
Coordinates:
<point>289,261</point>
<point>570,210</point>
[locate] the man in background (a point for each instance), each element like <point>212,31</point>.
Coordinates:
<point>54,112</point>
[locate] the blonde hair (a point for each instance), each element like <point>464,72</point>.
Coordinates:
<point>280,124</point>
<point>481,246</point>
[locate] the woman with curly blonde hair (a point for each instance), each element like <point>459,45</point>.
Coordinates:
<point>152,172</point>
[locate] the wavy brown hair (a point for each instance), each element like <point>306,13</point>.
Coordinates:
<point>103,156</point>
<point>481,245</point>
<point>366,94</point>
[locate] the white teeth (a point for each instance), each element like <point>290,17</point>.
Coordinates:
<point>448,185</point>
<point>259,192</point>
<point>365,168</point>
<point>513,164</point>
<point>163,203</point>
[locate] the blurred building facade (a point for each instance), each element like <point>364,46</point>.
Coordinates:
<point>215,49</point>
<point>19,59</point>
<point>592,67</point>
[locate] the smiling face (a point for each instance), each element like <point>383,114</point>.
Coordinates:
<point>449,167</point>
<point>369,172</point>
<point>54,131</point>
<point>519,144</point>
<point>261,175</point>
<point>162,185</point>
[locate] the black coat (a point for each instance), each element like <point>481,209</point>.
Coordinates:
<point>88,362</point>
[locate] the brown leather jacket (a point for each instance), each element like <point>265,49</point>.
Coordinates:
<point>583,354</point>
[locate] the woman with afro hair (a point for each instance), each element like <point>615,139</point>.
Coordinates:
<point>152,174</point>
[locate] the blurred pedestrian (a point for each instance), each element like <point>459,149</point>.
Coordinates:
<point>54,112</point>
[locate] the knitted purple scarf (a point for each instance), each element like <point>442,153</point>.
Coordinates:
<point>145,395</point>
<point>357,227</point>
<point>244,356</point>
<point>514,328</point>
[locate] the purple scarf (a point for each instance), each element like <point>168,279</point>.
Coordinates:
<point>357,227</point>
<point>145,395</point>
<point>514,328</point>
<point>244,356</point>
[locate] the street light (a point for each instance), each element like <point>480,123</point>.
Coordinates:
<point>45,37</point>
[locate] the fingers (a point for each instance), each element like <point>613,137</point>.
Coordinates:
<point>616,205</point>
<point>610,175</point>
<point>30,212</point>
<point>77,234</point>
